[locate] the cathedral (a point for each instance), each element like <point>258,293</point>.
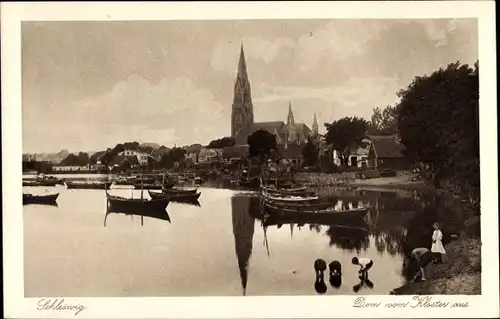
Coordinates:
<point>290,136</point>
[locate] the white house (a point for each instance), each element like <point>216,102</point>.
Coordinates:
<point>208,155</point>
<point>142,158</point>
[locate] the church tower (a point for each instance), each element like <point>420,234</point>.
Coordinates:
<point>242,111</point>
<point>315,126</point>
<point>291,130</point>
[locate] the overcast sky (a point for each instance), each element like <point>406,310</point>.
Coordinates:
<point>90,85</point>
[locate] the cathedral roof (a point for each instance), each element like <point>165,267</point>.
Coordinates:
<point>302,129</point>
<point>269,126</point>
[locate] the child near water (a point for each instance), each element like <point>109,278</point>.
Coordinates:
<point>364,263</point>
<point>422,256</point>
<point>437,245</point>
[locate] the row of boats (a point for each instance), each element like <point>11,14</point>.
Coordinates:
<point>300,202</point>
<point>157,200</point>
<point>156,182</point>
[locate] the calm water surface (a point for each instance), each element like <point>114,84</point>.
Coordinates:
<point>218,249</point>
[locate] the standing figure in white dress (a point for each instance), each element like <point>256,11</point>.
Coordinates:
<point>437,244</point>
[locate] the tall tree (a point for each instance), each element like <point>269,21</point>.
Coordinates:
<point>310,152</point>
<point>261,143</point>
<point>346,134</point>
<point>176,154</point>
<point>384,121</point>
<point>439,124</point>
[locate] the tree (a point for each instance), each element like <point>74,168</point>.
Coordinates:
<point>384,121</point>
<point>222,142</point>
<point>261,143</point>
<point>346,134</point>
<point>81,159</point>
<point>439,124</point>
<point>176,154</point>
<point>310,152</point>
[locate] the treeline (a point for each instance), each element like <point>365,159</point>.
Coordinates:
<point>82,158</point>
<point>437,120</point>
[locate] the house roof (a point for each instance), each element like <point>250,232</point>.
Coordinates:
<point>281,127</point>
<point>387,147</point>
<point>157,154</point>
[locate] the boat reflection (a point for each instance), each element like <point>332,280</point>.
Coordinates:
<point>158,215</point>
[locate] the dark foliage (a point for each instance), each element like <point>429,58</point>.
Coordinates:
<point>76,160</point>
<point>346,134</point>
<point>176,154</point>
<point>222,142</point>
<point>310,152</point>
<point>438,120</point>
<point>261,143</point>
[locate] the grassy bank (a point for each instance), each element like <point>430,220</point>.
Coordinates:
<point>349,179</point>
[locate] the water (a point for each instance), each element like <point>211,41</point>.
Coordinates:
<point>218,249</point>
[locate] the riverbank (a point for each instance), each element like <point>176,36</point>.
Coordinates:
<point>350,179</point>
<point>460,274</point>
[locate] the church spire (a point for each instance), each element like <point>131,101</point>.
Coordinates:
<point>242,109</point>
<point>315,125</point>
<point>291,129</point>
<point>242,67</point>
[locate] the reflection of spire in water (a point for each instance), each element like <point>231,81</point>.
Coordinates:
<point>291,230</point>
<point>243,230</point>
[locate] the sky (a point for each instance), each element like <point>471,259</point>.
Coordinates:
<point>87,86</point>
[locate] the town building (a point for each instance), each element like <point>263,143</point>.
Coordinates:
<point>142,158</point>
<point>290,136</point>
<point>387,152</point>
<point>210,155</point>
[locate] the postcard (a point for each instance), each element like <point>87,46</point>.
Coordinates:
<point>237,160</point>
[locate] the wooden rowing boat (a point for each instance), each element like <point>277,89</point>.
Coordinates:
<point>179,191</point>
<point>175,197</point>
<point>297,191</point>
<point>310,215</point>
<point>50,199</point>
<point>136,205</point>
<point>288,198</point>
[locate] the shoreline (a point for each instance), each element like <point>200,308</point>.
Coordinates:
<point>459,274</point>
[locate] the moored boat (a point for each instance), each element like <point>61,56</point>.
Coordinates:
<point>88,185</point>
<point>135,205</point>
<point>296,191</point>
<point>175,197</point>
<point>49,199</point>
<point>179,191</point>
<point>311,215</point>
<point>287,198</point>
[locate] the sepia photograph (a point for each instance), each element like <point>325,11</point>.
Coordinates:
<point>253,157</point>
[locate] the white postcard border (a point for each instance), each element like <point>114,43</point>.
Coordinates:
<point>16,306</point>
